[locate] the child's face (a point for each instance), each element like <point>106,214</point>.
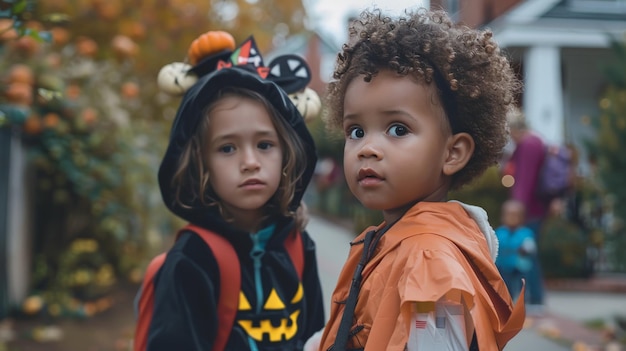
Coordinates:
<point>244,157</point>
<point>513,215</point>
<point>396,143</point>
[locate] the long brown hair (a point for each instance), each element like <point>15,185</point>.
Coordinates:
<point>191,179</point>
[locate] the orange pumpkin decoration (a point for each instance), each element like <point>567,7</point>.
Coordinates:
<point>209,43</point>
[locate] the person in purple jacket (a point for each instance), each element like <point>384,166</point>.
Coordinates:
<point>526,162</point>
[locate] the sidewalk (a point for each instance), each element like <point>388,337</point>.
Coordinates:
<point>575,304</point>
<point>583,312</point>
<point>575,320</point>
<point>601,282</point>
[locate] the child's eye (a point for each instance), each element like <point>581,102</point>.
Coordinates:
<point>398,130</point>
<point>227,149</point>
<point>264,145</point>
<point>355,133</point>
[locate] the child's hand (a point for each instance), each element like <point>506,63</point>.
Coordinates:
<point>313,344</point>
<point>528,247</point>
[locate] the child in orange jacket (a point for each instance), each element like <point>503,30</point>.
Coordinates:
<point>422,104</point>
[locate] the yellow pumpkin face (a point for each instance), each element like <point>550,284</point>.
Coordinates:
<point>276,330</point>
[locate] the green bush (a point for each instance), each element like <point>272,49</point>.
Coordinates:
<point>562,249</point>
<point>608,159</point>
<point>487,192</point>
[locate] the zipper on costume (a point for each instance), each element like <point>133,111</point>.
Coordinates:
<point>256,254</point>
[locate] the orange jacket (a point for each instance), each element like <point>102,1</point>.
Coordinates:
<point>433,250</point>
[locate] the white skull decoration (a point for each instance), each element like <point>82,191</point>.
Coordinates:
<point>175,78</point>
<point>308,103</point>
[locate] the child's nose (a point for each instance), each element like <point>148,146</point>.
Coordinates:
<point>250,161</point>
<point>370,149</point>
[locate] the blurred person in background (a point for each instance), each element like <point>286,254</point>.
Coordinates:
<point>525,166</point>
<point>516,246</point>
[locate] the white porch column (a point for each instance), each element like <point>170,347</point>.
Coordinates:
<point>19,253</point>
<point>543,92</point>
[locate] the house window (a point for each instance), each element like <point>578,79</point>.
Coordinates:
<point>452,6</point>
<point>598,6</point>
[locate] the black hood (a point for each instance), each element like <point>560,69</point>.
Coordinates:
<point>186,122</point>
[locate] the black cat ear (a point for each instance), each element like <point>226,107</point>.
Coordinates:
<point>290,72</point>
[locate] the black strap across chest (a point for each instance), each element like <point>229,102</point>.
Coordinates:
<point>343,333</point>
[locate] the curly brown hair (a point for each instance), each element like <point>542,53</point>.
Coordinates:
<point>475,82</point>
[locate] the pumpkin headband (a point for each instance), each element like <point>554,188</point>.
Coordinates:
<point>215,50</point>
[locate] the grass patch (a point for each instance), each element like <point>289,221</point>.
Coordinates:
<point>596,324</point>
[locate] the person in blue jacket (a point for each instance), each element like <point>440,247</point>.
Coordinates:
<point>516,246</point>
<point>238,161</point>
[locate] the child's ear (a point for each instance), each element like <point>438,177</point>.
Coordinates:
<point>460,150</point>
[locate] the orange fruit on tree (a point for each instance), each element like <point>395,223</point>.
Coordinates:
<point>72,91</point>
<point>32,304</point>
<point>130,90</point>
<point>26,45</point>
<point>124,47</point>
<point>108,10</point>
<point>7,32</point>
<point>86,46</point>
<point>21,73</point>
<point>133,29</point>
<point>51,120</point>
<point>60,36</point>
<point>32,125</point>
<point>54,60</point>
<point>89,115</point>
<point>19,93</point>
<point>35,25</point>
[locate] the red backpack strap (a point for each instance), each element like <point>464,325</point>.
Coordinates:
<point>146,302</point>
<point>295,249</point>
<point>230,281</point>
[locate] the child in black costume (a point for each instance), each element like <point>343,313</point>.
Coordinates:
<point>239,159</point>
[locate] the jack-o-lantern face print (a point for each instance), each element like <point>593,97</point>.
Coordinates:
<point>279,321</point>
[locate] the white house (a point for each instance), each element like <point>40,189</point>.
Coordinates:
<point>561,48</point>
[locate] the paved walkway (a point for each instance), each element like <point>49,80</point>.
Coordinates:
<point>570,304</point>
